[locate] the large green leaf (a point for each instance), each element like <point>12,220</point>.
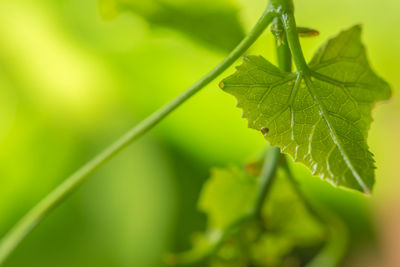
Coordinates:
<point>212,22</point>
<point>322,118</point>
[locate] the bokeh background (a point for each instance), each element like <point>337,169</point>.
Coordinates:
<point>72,80</point>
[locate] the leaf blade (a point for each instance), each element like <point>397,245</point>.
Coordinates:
<point>320,119</point>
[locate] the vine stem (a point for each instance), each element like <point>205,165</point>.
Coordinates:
<point>289,24</point>
<point>266,179</point>
<point>51,201</point>
<point>283,55</point>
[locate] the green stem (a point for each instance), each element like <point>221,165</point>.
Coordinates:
<point>289,24</point>
<point>266,178</point>
<point>283,55</point>
<point>44,207</point>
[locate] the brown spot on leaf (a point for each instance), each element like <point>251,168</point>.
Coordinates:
<point>264,131</point>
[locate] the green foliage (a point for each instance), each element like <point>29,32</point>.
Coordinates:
<point>208,21</point>
<point>286,229</point>
<point>320,117</point>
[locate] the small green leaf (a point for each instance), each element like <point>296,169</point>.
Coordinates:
<point>286,226</point>
<point>227,196</point>
<point>212,22</point>
<point>289,228</point>
<point>320,118</point>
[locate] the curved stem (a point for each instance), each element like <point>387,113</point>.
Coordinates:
<point>41,210</point>
<point>267,175</point>
<point>266,178</point>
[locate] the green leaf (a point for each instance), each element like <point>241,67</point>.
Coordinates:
<point>227,196</point>
<point>320,118</point>
<point>289,228</point>
<point>285,229</point>
<point>208,21</point>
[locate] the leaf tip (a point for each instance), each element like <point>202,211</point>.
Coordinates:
<point>367,191</point>
<point>357,28</point>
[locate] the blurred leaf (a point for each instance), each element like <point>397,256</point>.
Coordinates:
<point>287,230</point>
<point>321,119</point>
<point>211,22</point>
<point>227,196</point>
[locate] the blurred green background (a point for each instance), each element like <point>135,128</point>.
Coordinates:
<point>71,81</point>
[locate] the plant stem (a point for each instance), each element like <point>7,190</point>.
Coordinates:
<point>266,178</point>
<point>51,201</point>
<point>283,55</point>
<point>289,24</point>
